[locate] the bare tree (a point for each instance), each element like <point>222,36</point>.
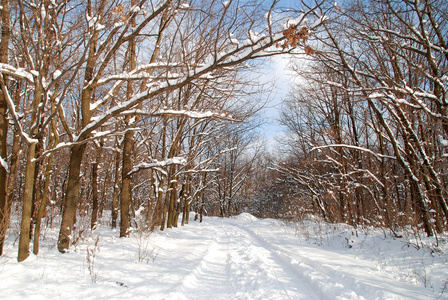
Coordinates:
<point>152,85</point>
<point>380,75</point>
<point>224,53</point>
<point>4,201</point>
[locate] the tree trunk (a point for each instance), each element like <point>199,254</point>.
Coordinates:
<point>30,179</point>
<point>77,151</point>
<point>157,216</point>
<point>128,145</point>
<point>43,205</point>
<point>201,210</point>
<point>54,140</point>
<point>24,241</point>
<point>95,204</point>
<point>69,211</point>
<point>421,207</point>
<point>37,188</point>
<point>102,195</point>
<point>172,198</point>
<point>179,206</point>
<point>5,211</point>
<point>126,191</point>
<point>116,191</point>
<point>4,207</point>
<point>186,196</point>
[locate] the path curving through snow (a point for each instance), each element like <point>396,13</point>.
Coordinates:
<point>238,266</point>
<point>244,258</point>
<point>239,258</point>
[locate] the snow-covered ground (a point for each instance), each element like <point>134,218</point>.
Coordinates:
<point>238,258</point>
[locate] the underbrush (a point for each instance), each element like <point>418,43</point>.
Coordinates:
<point>411,257</point>
<point>87,241</point>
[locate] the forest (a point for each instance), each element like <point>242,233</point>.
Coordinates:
<point>151,108</point>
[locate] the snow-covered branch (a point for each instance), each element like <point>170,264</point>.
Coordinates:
<point>377,155</point>
<point>20,73</point>
<point>158,164</point>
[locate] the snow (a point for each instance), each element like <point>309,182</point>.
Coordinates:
<point>234,41</point>
<point>377,155</point>
<point>99,27</point>
<point>56,74</point>
<point>260,45</point>
<point>4,164</point>
<point>295,21</point>
<point>15,116</point>
<point>267,16</point>
<point>118,24</point>
<point>43,12</point>
<point>17,72</point>
<point>238,258</point>
<point>443,141</point>
<point>135,9</point>
<point>157,164</point>
<point>91,20</point>
<point>319,21</point>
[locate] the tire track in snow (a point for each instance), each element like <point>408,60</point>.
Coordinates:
<point>328,287</point>
<point>236,266</point>
<point>332,283</point>
<point>210,279</point>
<point>257,273</point>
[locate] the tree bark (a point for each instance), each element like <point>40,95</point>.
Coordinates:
<point>116,191</point>
<point>201,210</point>
<point>43,204</point>
<point>4,207</point>
<point>128,145</point>
<point>71,201</point>
<point>30,179</point>
<point>77,151</point>
<point>24,240</point>
<point>95,201</point>
<point>54,140</point>
<point>126,191</point>
<point>173,186</point>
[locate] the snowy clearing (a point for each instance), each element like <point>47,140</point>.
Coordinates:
<point>238,258</point>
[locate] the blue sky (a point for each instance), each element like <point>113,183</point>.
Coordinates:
<point>275,72</point>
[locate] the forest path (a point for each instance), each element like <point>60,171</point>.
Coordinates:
<point>237,265</point>
<point>243,260</point>
<point>237,258</point>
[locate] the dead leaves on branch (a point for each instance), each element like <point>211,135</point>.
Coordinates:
<point>295,37</point>
<point>309,50</point>
<point>118,12</point>
<point>119,9</point>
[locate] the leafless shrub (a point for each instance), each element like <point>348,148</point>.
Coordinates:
<point>90,257</point>
<point>141,237</point>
